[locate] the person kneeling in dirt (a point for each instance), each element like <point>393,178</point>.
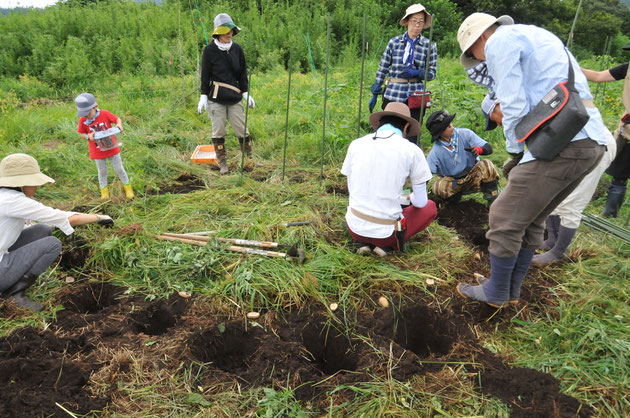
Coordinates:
<point>455,159</point>
<point>565,219</point>
<point>27,251</point>
<point>377,166</point>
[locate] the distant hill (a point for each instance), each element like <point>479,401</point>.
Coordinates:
<point>627,2</point>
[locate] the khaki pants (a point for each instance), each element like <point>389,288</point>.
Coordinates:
<point>219,115</point>
<point>534,189</point>
<point>483,172</point>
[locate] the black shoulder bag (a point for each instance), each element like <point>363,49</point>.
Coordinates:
<point>554,121</point>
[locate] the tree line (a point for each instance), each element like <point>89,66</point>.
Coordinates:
<point>75,40</point>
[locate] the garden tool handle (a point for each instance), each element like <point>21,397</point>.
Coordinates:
<point>302,223</point>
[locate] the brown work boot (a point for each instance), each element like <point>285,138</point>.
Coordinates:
<point>219,149</point>
<point>247,148</point>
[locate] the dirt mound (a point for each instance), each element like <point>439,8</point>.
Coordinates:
<point>185,183</point>
<point>469,218</point>
<point>39,369</point>
<point>531,393</point>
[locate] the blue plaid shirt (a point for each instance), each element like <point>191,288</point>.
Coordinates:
<point>392,65</point>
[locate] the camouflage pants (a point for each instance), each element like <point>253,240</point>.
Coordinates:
<point>484,171</point>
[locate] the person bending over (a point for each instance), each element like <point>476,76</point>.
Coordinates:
<point>26,250</point>
<point>377,166</point>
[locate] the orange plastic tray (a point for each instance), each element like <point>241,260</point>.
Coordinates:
<point>204,154</point>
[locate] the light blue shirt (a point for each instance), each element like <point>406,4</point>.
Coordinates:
<point>526,62</point>
<point>455,162</point>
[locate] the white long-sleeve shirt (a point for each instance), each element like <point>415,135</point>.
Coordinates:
<point>16,209</point>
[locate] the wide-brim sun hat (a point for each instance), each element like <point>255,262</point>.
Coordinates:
<point>471,29</point>
<point>223,24</point>
<point>437,122</point>
<point>17,170</point>
<point>487,107</point>
<point>85,102</point>
<point>399,110</point>
<point>417,8</point>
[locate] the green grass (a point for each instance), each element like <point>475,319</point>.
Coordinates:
<point>581,339</point>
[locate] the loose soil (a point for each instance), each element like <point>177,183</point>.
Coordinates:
<point>469,218</point>
<point>74,363</point>
<point>185,183</point>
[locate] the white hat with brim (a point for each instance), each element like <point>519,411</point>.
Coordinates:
<point>223,24</point>
<point>471,29</point>
<point>400,110</point>
<point>417,8</point>
<point>17,170</point>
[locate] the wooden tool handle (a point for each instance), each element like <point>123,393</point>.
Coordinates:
<point>186,236</point>
<point>246,250</point>
<point>182,240</point>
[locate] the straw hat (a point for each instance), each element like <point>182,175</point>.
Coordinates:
<point>17,170</point>
<point>417,8</point>
<point>438,122</point>
<point>471,29</point>
<point>399,110</point>
<point>223,24</point>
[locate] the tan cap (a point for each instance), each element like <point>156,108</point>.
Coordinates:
<point>17,170</point>
<point>471,29</point>
<point>417,8</point>
<point>399,110</point>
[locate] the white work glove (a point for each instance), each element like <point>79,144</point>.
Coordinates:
<point>250,100</point>
<point>203,103</point>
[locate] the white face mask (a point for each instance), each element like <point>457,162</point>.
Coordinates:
<point>222,46</point>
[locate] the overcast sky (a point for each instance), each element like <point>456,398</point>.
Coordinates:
<point>26,3</point>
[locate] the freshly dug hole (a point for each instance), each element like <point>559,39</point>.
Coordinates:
<point>93,298</point>
<point>158,317</point>
<point>423,331</point>
<point>329,349</point>
<point>227,347</point>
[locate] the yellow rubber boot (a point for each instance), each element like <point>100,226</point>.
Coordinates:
<point>104,193</point>
<point>128,191</point>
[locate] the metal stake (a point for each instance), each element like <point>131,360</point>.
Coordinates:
<point>286,123</point>
<point>577,12</point>
<point>321,176</point>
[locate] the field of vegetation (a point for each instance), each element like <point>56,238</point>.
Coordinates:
<point>117,338</point>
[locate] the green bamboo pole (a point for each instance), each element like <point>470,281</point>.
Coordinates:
<point>286,123</point>
<point>577,12</point>
<point>321,175</point>
<point>249,90</point>
<point>363,52</point>
<point>426,76</point>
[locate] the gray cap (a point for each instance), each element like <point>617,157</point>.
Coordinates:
<point>85,102</point>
